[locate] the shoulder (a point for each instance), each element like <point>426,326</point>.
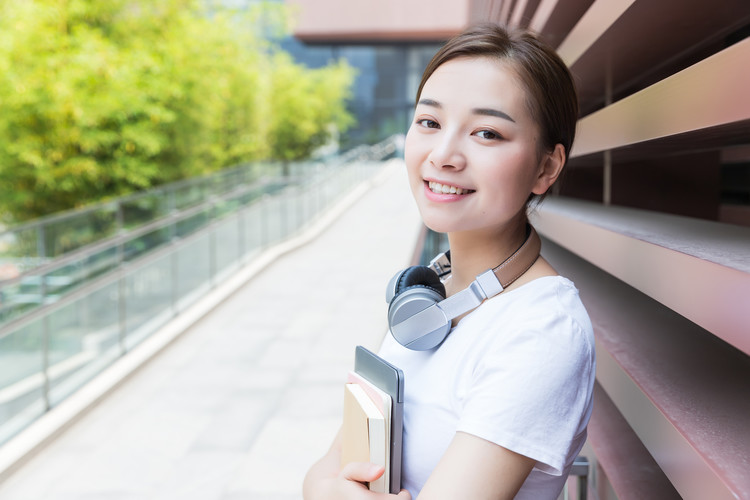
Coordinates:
<point>537,305</point>
<point>544,320</point>
<point>532,369</point>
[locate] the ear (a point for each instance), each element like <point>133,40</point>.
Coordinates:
<point>549,169</point>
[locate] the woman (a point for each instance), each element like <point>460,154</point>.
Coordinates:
<point>499,409</point>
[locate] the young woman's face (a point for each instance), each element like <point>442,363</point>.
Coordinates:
<point>472,150</point>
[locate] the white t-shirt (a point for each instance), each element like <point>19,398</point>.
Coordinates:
<point>517,371</point>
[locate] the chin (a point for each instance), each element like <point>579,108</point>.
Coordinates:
<point>438,225</point>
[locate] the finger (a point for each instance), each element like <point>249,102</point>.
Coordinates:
<point>362,472</point>
<point>404,495</point>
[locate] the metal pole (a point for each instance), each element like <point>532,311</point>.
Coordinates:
<point>580,469</point>
<point>241,244</point>
<point>45,363</point>
<point>213,264</point>
<point>122,293</point>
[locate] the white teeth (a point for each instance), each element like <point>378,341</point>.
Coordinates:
<point>438,188</point>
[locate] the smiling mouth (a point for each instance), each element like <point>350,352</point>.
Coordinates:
<point>438,188</point>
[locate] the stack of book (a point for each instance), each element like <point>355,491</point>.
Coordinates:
<point>367,427</point>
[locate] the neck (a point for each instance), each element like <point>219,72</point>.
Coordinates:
<point>474,252</point>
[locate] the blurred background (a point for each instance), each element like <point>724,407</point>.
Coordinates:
<point>161,159</point>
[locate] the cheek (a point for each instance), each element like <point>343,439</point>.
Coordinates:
<point>413,157</point>
<point>411,144</point>
<point>514,175</point>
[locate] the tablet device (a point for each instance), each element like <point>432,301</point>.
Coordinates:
<point>389,379</point>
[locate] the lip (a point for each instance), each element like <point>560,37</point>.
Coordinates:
<point>443,197</point>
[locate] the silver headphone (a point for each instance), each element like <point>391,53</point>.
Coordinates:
<point>419,315</point>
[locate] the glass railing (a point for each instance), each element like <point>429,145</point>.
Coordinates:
<point>91,306</point>
<point>42,240</point>
<point>47,282</point>
<point>45,259</point>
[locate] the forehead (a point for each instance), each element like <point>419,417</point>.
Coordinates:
<point>475,81</point>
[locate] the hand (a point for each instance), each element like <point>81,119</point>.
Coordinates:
<point>348,484</point>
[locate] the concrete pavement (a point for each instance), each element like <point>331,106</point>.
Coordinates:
<point>240,404</point>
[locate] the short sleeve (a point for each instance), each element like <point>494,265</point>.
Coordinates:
<point>531,391</point>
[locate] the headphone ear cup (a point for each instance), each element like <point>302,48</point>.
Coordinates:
<point>418,276</point>
<point>414,290</point>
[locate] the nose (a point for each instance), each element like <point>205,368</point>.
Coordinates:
<point>447,152</point>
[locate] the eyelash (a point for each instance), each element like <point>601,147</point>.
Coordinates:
<point>495,135</point>
<point>432,124</point>
<point>427,123</point>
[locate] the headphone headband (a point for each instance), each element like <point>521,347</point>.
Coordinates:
<point>420,316</point>
<point>511,268</point>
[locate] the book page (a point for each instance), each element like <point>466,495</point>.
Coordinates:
<point>364,432</point>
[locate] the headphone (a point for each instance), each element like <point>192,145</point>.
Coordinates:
<point>419,315</point>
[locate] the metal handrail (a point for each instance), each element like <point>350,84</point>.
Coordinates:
<point>163,189</point>
<point>165,222</point>
<point>117,299</point>
<point>126,235</point>
<point>63,344</point>
<point>114,209</point>
<point>47,287</point>
<point>117,243</point>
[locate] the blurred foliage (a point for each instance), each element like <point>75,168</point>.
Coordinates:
<point>307,106</point>
<point>99,99</point>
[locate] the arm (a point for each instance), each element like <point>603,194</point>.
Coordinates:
<point>326,480</point>
<point>474,468</point>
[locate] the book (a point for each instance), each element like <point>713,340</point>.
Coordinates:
<point>374,371</point>
<point>364,434</point>
<point>383,401</point>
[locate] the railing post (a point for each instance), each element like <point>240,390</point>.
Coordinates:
<point>300,207</point>
<point>213,264</point>
<point>41,252</point>
<point>40,243</point>
<point>241,236</point>
<point>122,288</point>
<point>45,364</point>
<point>580,470</point>
<point>174,281</point>
<point>122,312</point>
<point>282,214</point>
<point>262,223</point>
<point>174,265</point>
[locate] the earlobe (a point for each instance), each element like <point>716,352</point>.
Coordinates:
<point>549,169</point>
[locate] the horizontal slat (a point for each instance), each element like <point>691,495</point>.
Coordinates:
<point>713,295</point>
<point>691,476</point>
<point>331,21</point>
<point>523,11</point>
<point>682,390</point>
<point>630,468</point>
<point>554,19</point>
<point>597,20</point>
<point>517,13</point>
<point>711,93</point>
<point>651,41</point>
<point>689,143</point>
<point>542,15</point>
<point>505,11</point>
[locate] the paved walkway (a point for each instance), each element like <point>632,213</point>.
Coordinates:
<point>242,403</point>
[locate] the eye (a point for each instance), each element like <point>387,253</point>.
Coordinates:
<point>427,123</point>
<point>488,135</point>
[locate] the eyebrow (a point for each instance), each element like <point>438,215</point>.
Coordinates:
<point>477,111</point>
<point>492,112</point>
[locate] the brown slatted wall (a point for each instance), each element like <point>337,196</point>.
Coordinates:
<point>656,234</point>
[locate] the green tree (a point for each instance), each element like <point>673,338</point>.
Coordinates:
<point>98,99</point>
<point>308,106</point>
